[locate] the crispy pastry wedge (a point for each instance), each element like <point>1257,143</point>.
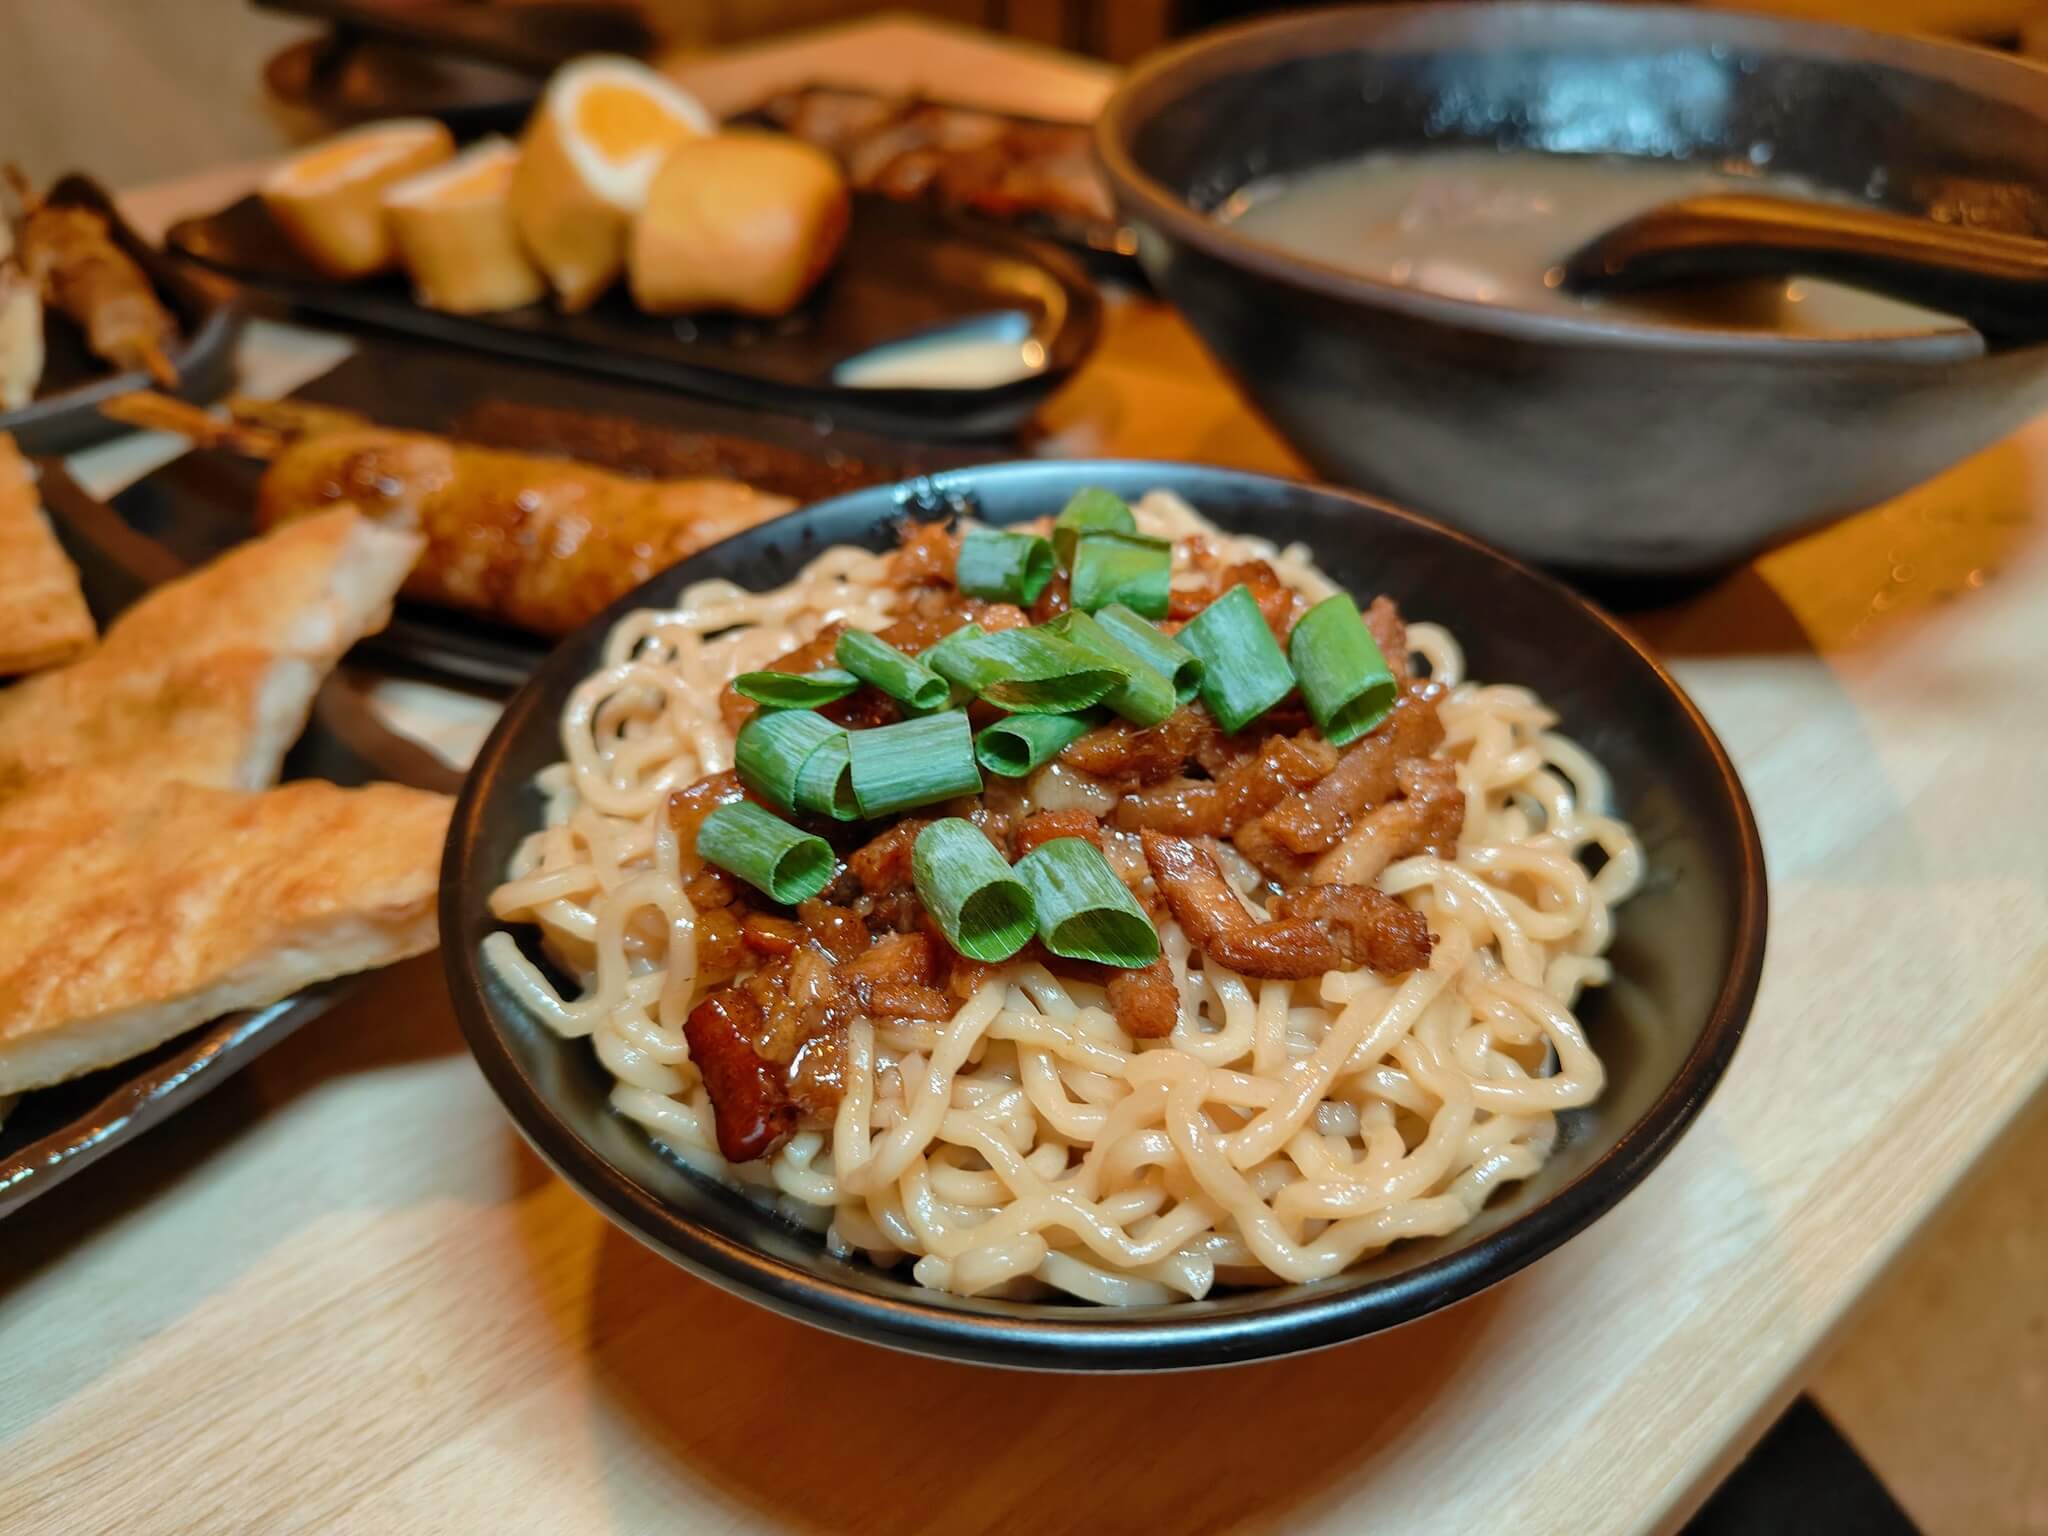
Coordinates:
<point>209,679</point>
<point>131,919</point>
<point>43,617</point>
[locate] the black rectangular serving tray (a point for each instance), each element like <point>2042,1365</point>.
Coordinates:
<point>907,270</point>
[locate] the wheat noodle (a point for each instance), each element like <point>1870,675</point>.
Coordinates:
<point>1028,1145</point>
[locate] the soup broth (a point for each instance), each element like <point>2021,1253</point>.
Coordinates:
<point>1494,226</point>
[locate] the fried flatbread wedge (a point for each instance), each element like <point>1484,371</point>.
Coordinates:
<point>43,617</point>
<point>21,335</point>
<point>209,679</point>
<point>131,918</point>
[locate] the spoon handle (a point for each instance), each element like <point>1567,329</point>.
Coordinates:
<point>1996,282</point>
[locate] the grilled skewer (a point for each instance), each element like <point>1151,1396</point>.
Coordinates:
<point>539,543</point>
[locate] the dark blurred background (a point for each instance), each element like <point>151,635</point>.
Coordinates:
<point>88,72</point>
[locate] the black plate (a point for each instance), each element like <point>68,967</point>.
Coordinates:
<point>1687,953</point>
<point>64,416</point>
<point>906,270</point>
<point>199,505</point>
<point>53,1132</point>
<point>1107,247</point>
<point>346,79</point>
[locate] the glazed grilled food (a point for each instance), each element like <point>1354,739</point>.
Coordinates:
<point>542,544</point>
<point>539,543</point>
<point>1104,906</point>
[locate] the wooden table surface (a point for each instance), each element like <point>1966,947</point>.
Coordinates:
<point>341,1295</point>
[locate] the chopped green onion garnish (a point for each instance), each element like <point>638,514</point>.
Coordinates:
<point>766,852</point>
<point>935,656</point>
<point>874,660</point>
<point>773,747</point>
<point>1090,510</point>
<point>1021,744</point>
<point>913,763</point>
<point>1153,646</point>
<point>1346,681</point>
<point>1122,568</point>
<point>1030,672</point>
<point>1003,567</point>
<point>795,690</point>
<point>938,658</point>
<point>1243,672</point>
<point>824,786</point>
<point>980,906</point>
<point>1084,911</point>
<point>1145,697</point>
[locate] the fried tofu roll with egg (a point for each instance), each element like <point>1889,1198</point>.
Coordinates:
<point>455,234</point>
<point>329,200</point>
<point>602,130</point>
<point>743,221</point>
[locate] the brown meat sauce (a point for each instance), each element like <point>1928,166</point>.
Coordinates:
<point>1319,823</point>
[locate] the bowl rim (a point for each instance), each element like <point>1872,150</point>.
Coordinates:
<point>1091,1339</point>
<point>1250,45</point>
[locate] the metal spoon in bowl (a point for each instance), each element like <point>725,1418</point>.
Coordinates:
<point>1996,282</point>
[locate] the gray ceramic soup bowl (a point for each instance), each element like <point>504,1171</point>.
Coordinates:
<point>1586,443</point>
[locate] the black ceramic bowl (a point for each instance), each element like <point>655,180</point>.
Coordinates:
<point>1587,444</point>
<point>1687,952</point>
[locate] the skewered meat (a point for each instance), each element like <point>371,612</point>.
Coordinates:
<point>69,252</point>
<point>540,543</point>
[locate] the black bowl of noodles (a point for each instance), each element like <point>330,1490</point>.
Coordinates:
<point>1686,951</point>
